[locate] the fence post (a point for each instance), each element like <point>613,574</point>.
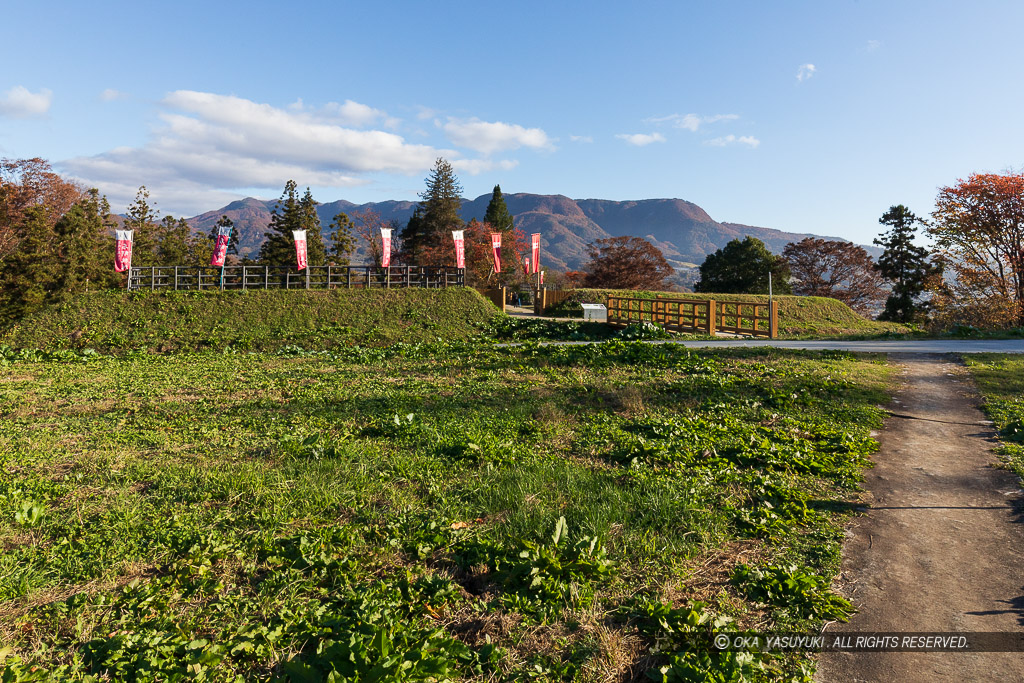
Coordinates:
<point>244,268</point>
<point>266,277</point>
<point>773,319</point>
<point>712,314</point>
<point>348,277</point>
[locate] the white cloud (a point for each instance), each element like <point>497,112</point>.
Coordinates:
<point>642,139</point>
<point>488,137</point>
<point>478,166</point>
<point>424,113</point>
<point>20,103</point>
<point>691,122</point>
<point>873,45</point>
<point>748,140</point>
<point>581,138</point>
<point>210,145</point>
<point>109,95</point>
<point>805,71</point>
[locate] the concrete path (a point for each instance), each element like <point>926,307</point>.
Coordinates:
<point>941,547</point>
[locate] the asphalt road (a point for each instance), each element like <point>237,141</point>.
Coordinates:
<point>876,346</point>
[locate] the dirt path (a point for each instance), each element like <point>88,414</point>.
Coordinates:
<point>942,546</point>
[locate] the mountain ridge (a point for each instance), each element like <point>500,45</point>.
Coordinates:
<point>683,230</point>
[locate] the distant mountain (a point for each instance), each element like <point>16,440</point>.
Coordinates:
<point>684,232</point>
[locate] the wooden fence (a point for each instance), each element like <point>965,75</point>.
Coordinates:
<point>282,277</point>
<point>707,316</point>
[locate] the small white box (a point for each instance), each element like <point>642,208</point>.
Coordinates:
<point>595,312</point>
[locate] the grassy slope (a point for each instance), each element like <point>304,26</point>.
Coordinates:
<point>261,515</point>
<point>260,320</point>
<point>798,315</point>
<point>1000,378</point>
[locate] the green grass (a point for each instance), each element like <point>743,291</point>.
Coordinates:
<point>799,316</point>
<point>115,321</point>
<point>1000,379</point>
<point>423,512</point>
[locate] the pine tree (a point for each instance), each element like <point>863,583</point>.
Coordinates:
<point>293,213</point>
<point>141,218</point>
<point>497,213</point>
<point>903,263</point>
<point>513,243</point>
<point>309,221</point>
<point>439,208</point>
<point>175,246</point>
<point>29,273</point>
<point>342,240</point>
<point>85,248</point>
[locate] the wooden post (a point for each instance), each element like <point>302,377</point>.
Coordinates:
<point>712,314</point>
<point>266,277</point>
<point>348,277</point>
<point>244,276</point>
<point>773,319</point>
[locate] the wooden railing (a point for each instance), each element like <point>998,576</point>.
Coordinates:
<point>707,316</point>
<point>282,277</point>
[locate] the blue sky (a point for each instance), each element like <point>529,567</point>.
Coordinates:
<point>801,116</point>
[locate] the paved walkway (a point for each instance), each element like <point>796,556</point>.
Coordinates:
<point>941,546</point>
<point>872,346</point>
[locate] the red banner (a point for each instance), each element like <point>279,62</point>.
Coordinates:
<point>385,254</point>
<point>460,248</point>
<point>526,265</point>
<point>300,248</point>
<point>496,246</point>
<point>123,254</point>
<point>536,251</point>
<point>542,277</point>
<point>220,248</point>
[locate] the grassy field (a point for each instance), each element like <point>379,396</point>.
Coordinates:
<point>799,316</point>
<point>424,512</point>
<point>1000,378</point>
<point>252,320</point>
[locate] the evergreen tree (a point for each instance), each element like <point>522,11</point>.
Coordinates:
<point>309,221</point>
<point>342,240</point>
<point>292,213</point>
<point>141,218</point>
<point>175,246</point>
<point>412,238</point>
<point>85,248</point>
<point>500,219</point>
<point>497,213</point>
<point>29,273</point>
<point>903,263</point>
<point>439,209</point>
<point>742,268</point>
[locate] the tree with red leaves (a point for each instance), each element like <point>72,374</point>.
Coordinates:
<point>978,228</point>
<point>626,263</point>
<point>835,269</point>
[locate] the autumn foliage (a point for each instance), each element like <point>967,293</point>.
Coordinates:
<point>626,263</point>
<point>834,269</point>
<point>978,229</point>
<point>27,183</point>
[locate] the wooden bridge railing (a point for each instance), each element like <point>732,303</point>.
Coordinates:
<point>283,277</point>
<point>707,316</point>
